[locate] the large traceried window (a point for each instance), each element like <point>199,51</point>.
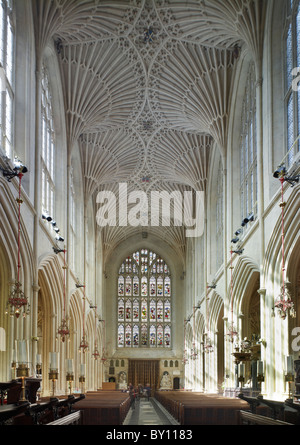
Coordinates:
<point>7,43</point>
<point>144,301</point>
<point>219,218</point>
<point>48,146</point>
<point>292,94</point>
<point>72,221</point>
<point>248,147</point>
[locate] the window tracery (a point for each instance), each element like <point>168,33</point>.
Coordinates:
<point>7,62</point>
<point>292,95</point>
<point>248,147</point>
<point>48,145</point>
<point>144,301</point>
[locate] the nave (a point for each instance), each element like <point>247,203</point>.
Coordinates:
<point>195,105</point>
<point>148,412</point>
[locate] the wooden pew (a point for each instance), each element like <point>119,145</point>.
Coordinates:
<point>275,409</point>
<point>104,408</point>
<point>190,408</point>
<point>48,411</point>
<point>247,418</point>
<point>37,414</point>
<point>71,419</point>
<point>9,412</point>
<point>63,407</point>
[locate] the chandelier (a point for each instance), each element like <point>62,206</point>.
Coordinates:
<point>208,347</point>
<point>83,347</point>
<point>184,359</point>
<point>104,355</point>
<point>284,303</point>
<point>232,332</point>
<point>17,299</point>
<point>194,353</point>
<point>63,329</point>
<point>96,353</point>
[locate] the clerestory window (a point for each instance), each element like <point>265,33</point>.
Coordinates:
<point>292,90</point>
<point>7,65</point>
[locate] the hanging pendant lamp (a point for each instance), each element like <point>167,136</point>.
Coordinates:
<point>284,303</point>
<point>63,329</point>
<point>232,332</point>
<point>17,300</point>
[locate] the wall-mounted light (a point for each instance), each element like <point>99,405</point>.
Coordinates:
<point>249,218</point>
<point>281,173</point>
<point>46,217</point>
<point>11,173</point>
<point>238,252</point>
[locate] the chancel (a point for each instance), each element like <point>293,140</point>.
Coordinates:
<point>149,208</point>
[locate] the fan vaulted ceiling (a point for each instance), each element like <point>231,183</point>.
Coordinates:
<point>147,89</point>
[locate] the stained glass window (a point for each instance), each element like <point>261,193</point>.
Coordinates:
<point>144,301</point>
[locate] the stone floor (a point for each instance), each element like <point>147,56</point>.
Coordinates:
<point>148,412</point>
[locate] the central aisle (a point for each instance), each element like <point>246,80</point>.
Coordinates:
<point>148,412</point>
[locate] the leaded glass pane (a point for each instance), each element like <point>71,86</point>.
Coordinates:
<point>128,335</point>
<point>152,314</point>
<point>136,311</point>
<point>160,336</point>
<point>128,284</point>
<point>167,336</point>
<point>167,311</point>
<point>135,336</point>
<point>160,311</point>
<point>128,310</point>
<point>144,335</point>
<point>152,287</point>
<point>121,336</point>
<point>289,56</point>
<point>144,311</point>
<point>135,286</point>
<point>121,286</point>
<point>144,287</point>
<point>160,287</point>
<point>167,287</point>
<point>152,336</point>
<point>121,311</point>
<point>248,143</point>
<point>298,37</point>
